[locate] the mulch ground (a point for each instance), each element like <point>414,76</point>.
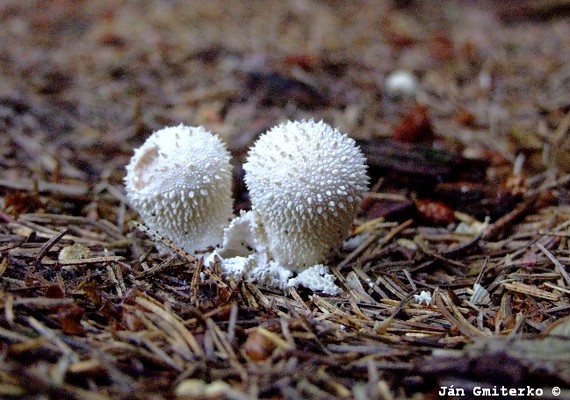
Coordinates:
<point>469,199</point>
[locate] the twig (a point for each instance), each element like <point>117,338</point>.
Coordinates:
<point>48,245</point>
<point>494,230</point>
<point>559,267</point>
<point>372,239</point>
<point>455,317</point>
<point>76,191</point>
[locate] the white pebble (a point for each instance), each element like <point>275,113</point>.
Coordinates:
<point>401,83</point>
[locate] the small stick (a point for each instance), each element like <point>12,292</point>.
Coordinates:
<point>376,237</point>
<point>159,238</point>
<point>48,245</point>
<point>557,263</point>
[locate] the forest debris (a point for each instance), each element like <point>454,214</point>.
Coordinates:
<point>75,251</point>
<point>470,225</point>
<point>498,227</point>
<point>353,284</point>
<point>53,337</point>
<point>559,267</point>
<point>480,295</point>
<point>415,126</point>
<point>42,302</point>
<point>48,245</point>
<point>275,88</point>
<point>420,163</point>
<point>73,191</point>
<point>260,343</point>
<point>372,239</point>
<point>434,212</point>
<point>173,326</point>
<point>423,298</point>
<point>483,362</point>
<point>195,388</point>
<point>454,316</point>
<point>530,290</point>
<point>128,322</point>
<point>528,9</point>
<point>87,261</point>
<point>257,346</point>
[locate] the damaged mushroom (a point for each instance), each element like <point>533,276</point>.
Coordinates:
<point>179,181</point>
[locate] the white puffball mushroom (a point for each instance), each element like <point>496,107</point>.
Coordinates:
<point>305,181</point>
<point>401,83</point>
<point>179,181</point>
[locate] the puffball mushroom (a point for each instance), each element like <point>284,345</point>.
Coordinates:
<point>305,181</point>
<point>179,181</point>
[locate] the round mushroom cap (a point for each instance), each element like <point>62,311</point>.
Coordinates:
<point>179,181</point>
<point>305,180</point>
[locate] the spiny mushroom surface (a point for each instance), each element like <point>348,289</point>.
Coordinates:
<point>305,180</point>
<point>179,181</point>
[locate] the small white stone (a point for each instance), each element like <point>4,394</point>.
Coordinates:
<point>472,226</point>
<point>423,297</point>
<point>75,251</point>
<point>401,83</point>
<point>355,241</point>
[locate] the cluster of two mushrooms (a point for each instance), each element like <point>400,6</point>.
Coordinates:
<point>305,181</point>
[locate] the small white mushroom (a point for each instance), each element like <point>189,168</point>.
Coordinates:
<point>305,181</point>
<point>179,181</point>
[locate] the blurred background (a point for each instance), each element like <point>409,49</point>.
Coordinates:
<point>82,83</point>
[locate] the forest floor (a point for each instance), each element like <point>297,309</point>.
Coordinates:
<point>469,199</point>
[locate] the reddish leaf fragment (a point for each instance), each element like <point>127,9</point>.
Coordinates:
<point>133,323</point>
<point>112,39</point>
<point>54,292</point>
<point>303,61</point>
<point>529,259</point>
<point>91,291</point>
<point>415,126</point>
<point>464,117</point>
<point>106,308</point>
<point>131,295</point>
<point>442,46</point>
<point>258,347</point>
<point>19,202</point>
<point>111,311</point>
<point>223,313</point>
<point>434,212</point>
<point>70,319</point>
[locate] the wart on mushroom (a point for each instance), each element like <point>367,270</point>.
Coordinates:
<point>179,181</point>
